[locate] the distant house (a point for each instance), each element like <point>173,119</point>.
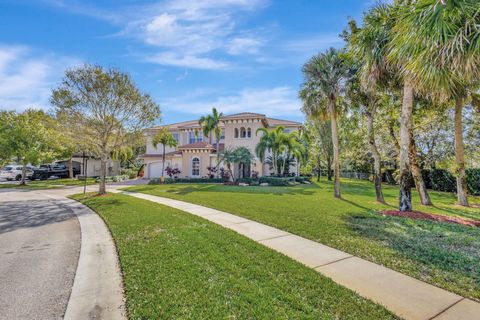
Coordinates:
<point>195,153</point>
<point>91,166</point>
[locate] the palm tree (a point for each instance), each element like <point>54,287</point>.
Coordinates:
<point>294,147</point>
<point>325,75</point>
<point>166,139</point>
<point>243,157</point>
<point>211,123</point>
<point>442,58</point>
<point>240,155</point>
<point>370,43</point>
<point>271,141</point>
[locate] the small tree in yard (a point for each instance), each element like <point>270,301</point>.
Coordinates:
<point>166,139</point>
<point>30,137</point>
<point>104,106</point>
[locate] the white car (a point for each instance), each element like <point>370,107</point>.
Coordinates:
<point>14,172</point>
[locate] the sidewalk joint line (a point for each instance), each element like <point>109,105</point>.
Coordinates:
<point>447,308</point>
<point>242,222</point>
<point>332,262</point>
<point>283,235</point>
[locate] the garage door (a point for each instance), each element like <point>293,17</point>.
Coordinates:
<point>155,170</point>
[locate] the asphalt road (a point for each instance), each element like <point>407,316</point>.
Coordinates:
<point>39,249</point>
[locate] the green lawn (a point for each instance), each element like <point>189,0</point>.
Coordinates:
<point>179,266</point>
<point>49,184</point>
<point>446,255</point>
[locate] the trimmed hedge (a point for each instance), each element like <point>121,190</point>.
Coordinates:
<point>442,180</point>
<point>186,180</point>
<point>274,181</point>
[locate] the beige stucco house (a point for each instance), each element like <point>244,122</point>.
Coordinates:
<point>195,153</point>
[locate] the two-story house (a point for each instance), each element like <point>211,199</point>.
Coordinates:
<point>195,153</point>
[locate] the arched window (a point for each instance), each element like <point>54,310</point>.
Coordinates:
<point>243,132</point>
<point>195,166</point>
<point>236,133</point>
<point>249,133</point>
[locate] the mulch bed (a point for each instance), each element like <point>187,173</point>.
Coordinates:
<point>418,215</point>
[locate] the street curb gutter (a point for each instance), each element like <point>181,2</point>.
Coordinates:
<point>97,291</point>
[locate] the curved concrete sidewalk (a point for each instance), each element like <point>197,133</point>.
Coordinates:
<point>97,291</point>
<point>407,297</point>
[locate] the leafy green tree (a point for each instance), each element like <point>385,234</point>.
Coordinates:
<point>325,76</point>
<point>166,139</point>
<point>209,124</point>
<point>30,137</point>
<point>106,107</point>
<point>425,31</point>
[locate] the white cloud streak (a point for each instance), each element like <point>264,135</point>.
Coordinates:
<point>26,78</point>
<point>277,101</point>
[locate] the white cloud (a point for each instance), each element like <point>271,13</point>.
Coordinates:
<point>27,78</point>
<point>190,33</point>
<point>243,45</point>
<point>277,101</point>
<point>188,61</point>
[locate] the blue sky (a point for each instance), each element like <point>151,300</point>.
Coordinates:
<point>236,55</point>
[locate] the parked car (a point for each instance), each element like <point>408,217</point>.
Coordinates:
<point>46,171</point>
<point>14,172</point>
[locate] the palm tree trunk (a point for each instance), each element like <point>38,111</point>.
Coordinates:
<point>218,158</point>
<point>417,173</point>
<point>377,164</point>
<point>460,155</point>
<point>336,156</point>
<point>405,199</point>
<point>163,160</point>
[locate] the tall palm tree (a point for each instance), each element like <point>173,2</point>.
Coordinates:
<point>209,124</point>
<point>166,139</point>
<point>370,43</point>
<point>271,141</point>
<point>439,46</point>
<point>326,74</point>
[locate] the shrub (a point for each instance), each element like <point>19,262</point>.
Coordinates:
<point>131,173</point>
<point>276,181</point>
<point>172,172</point>
<point>303,178</point>
<point>119,178</point>
<point>186,180</point>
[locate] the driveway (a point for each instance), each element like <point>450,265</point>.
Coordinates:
<point>39,248</point>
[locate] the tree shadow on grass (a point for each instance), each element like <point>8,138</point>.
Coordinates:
<point>452,249</point>
<point>189,189</point>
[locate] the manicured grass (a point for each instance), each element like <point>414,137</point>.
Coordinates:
<point>179,266</point>
<point>49,184</point>
<point>446,255</point>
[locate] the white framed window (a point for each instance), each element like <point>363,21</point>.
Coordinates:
<point>192,137</point>
<point>249,133</point>
<point>195,166</point>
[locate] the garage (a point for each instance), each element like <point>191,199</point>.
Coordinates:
<point>155,169</point>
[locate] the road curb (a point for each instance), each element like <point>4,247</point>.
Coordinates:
<point>97,291</point>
